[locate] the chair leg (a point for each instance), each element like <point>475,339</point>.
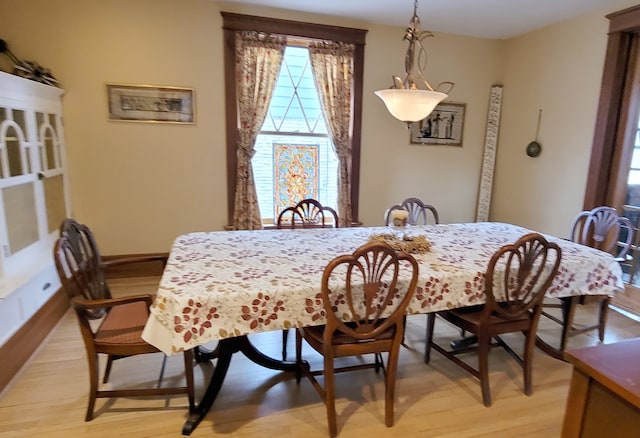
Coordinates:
<point>92,358</point>
<point>431,319</point>
<point>298,356</point>
<point>527,366</point>
<point>188,374</point>
<point>162,368</point>
<point>390,386</point>
<point>602,317</point>
<point>378,363</point>
<point>483,367</point>
<point>404,329</point>
<point>285,337</point>
<point>568,311</point>
<point>330,394</point>
<point>107,369</point>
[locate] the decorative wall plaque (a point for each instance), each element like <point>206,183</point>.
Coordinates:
<point>489,155</point>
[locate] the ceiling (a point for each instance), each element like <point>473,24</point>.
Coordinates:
<point>500,19</point>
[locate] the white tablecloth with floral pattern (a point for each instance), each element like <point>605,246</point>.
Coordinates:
<point>223,284</point>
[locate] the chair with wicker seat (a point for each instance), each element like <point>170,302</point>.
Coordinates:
<point>516,280</point>
<point>365,296</point>
<point>308,213</point>
<point>118,334</point>
<point>604,229</point>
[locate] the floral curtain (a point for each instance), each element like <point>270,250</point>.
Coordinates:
<point>258,60</point>
<point>332,65</point>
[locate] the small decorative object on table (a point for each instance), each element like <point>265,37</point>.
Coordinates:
<point>399,217</point>
<point>406,243</point>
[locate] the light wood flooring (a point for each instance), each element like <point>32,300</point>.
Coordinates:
<point>48,398</point>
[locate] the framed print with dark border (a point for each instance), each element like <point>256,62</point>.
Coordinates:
<point>444,126</point>
<point>147,103</point>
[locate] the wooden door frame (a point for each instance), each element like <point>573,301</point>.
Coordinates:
<point>616,105</point>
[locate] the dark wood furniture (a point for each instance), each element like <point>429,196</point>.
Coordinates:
<point>121,320</point>
<point>360,320</point>
<point>307,213</point>
<point>514,295</point>
<point>601,228</point>
<point>419,212</point>
<point>298,257</point>
<point>604,394</point>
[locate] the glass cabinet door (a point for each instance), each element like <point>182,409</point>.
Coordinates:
<point>17,184</point>
<point>51,173</point>
<point>32,183</point>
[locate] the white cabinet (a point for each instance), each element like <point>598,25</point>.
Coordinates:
<point>33,196</point>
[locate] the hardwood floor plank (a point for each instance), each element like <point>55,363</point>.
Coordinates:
<point>435,400</point>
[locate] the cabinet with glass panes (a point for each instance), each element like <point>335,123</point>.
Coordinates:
<point>33,197</point>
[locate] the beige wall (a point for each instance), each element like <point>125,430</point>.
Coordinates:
<point>445,176</point>
<point>137,185</point>
<point>558,70</point>
<point>140,185</point>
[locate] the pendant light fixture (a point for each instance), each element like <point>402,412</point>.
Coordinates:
<point>404,100</point>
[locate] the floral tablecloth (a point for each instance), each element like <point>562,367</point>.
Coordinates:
<point>223,284</point>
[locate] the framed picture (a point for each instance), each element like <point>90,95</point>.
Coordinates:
<point>443,126</point>
<point>146,103</point>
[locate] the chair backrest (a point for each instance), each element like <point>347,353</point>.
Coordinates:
<point>364,294</point>
<point>389,217</point>
<point>308,213</point>
<point>519,275</point>
<point>418,212</point>
<point>604,229</point>
<point>79,265</point>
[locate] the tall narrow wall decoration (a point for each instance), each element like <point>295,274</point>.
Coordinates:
<point>489,155</point>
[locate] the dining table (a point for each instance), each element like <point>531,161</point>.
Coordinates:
<point>226,285</point>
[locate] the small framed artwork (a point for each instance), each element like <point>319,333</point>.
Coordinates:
<point>147,103</point>
<point>443,126</point>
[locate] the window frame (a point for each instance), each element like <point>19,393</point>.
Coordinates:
<point>233,23</point>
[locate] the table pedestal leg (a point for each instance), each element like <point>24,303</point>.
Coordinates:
<point>223,352</point>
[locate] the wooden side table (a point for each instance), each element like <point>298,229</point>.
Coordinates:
<point>604,396</point>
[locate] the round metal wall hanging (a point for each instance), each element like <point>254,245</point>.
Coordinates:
<point>533,149</point>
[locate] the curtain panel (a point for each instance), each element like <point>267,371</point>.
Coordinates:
<point>258,60</point>
<point>333,65</point>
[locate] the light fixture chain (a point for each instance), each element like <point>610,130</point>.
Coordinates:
<point>405,100</point>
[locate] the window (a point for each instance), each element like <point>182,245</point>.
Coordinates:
<point>634,171</point>
<point>287,116</point>
<point>294,157</point>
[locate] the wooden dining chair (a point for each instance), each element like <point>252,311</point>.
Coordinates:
<point>516,279</point>
<point>110,326</point>
<point>308,213</point>
<point>419,213</point>
<point>604,229</point>
<point>365,297</point>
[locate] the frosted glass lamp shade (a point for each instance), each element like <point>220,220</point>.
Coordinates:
<point>410,105</point>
